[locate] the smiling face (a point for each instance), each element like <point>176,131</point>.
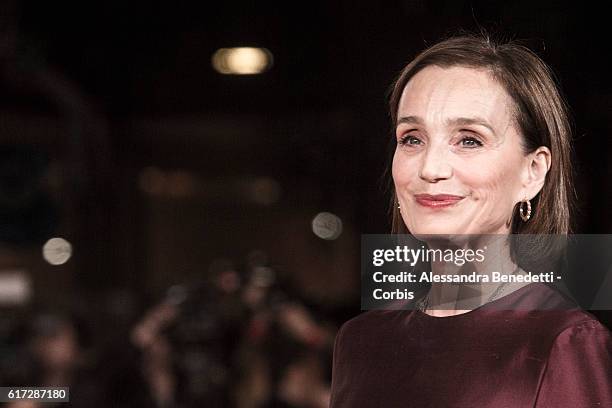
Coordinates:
<point>459,166</point>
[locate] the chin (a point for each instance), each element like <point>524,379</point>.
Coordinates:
<point>443,239</point>
<point>438,231</point>
<point>435,228</point>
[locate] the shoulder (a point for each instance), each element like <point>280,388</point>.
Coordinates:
<point>545,309</point>
<point>582,330</point>
<point>563,317</point>
<point>535,296</point>
<point>564,328</point>
<point>578,370</point>
<point>579,343</point>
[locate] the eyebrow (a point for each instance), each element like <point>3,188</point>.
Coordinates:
<point>416,120</point>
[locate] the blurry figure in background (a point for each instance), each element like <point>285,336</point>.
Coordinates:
<point>55,347</point>
<point>187,343</point>
<point>51,353</point>
<point>285,352</point>
<point>157,364</point>
<point>235,341</point>
<point>305,382</point>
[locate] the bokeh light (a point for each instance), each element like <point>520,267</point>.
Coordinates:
<point>327,226</point>
<point>242,60</point>
<point>57,251</point>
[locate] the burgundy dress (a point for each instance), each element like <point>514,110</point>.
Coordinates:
<point>489,357</point>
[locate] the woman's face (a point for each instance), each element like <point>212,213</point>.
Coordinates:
<point>459,167</point>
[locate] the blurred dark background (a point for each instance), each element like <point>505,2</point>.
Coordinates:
<point>119,136</point>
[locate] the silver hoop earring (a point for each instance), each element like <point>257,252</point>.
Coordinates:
<point>525,213</point>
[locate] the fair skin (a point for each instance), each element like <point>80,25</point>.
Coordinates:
<point>459,166</point>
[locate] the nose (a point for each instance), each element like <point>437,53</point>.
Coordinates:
<point>435,165</point>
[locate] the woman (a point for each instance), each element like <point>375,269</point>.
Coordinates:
<point>483,147</point>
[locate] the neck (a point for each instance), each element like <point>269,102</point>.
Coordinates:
<point>447,299</point>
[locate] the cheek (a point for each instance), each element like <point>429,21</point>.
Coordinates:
<point>492,184</point>
<point>403,171</point>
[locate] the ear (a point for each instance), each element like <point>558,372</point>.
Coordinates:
<point>537,165</point>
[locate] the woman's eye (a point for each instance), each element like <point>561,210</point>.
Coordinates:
<point>410,140</point>
<point>470,142</point>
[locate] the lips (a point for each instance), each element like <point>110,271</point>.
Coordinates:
<point>438,200</point>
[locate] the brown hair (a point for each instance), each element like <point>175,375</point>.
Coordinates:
<point>540,113</point>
